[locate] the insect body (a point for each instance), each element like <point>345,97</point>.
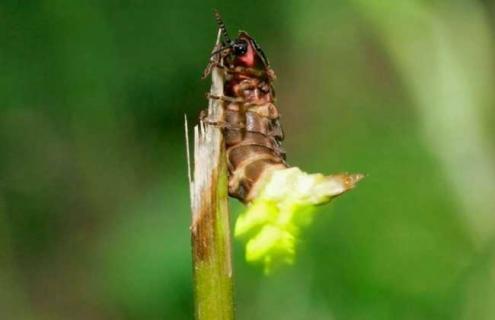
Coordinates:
<point>252,130</point>
<point>281,199</point>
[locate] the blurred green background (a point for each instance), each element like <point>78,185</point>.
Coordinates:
<point>94,207</point>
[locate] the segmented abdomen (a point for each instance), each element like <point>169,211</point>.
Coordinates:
<point>252,133</point>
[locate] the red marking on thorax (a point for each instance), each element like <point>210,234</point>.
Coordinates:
<point>249,57</point>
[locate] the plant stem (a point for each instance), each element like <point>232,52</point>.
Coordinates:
<point>210,229</point>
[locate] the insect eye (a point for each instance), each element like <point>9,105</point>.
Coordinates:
<point>239,47</point>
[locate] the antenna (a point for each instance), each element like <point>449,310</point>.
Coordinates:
<point>220,23</point>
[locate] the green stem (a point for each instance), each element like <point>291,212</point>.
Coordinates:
<point>211,256</point>
<point>210,229</point>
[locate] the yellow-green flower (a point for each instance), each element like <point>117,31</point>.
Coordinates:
<point>285,204</point>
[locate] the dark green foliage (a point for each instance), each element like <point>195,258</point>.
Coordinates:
<point>94,207</point>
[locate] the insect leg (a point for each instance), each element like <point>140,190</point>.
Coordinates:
<point>224,98</point>
<point>203,117</point>
<point>221,124</point>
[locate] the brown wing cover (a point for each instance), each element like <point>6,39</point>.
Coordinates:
<point>252,130</point>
